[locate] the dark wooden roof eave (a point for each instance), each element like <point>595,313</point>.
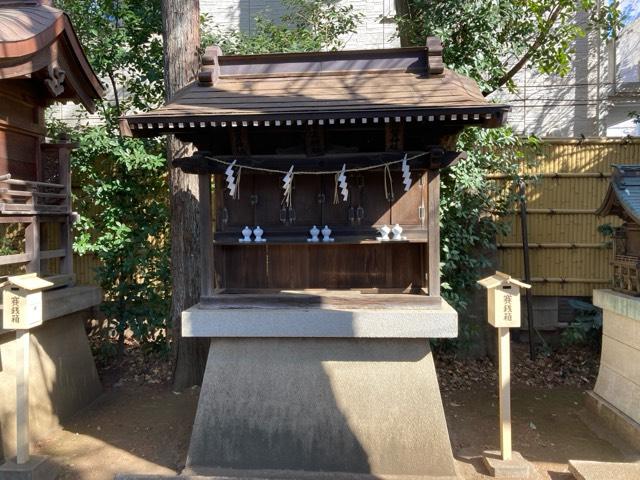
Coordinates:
<point>488,116</point>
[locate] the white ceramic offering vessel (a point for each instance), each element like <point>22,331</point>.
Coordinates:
<point>384,233</point>
<point>397,232</point>
<point>246,234</point>
<point>258,233</point>
<point>326,234</point>
<point>314,232</point>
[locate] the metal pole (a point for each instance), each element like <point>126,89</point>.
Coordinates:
<point>527,271</point>
<point>22,396</point>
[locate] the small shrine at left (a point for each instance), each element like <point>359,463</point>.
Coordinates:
<point>41,62</point>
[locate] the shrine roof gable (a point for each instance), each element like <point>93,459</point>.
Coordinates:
<point>623,194</point>
<point>38,41</point>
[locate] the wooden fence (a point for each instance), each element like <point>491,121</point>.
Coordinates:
<point>569,257</point>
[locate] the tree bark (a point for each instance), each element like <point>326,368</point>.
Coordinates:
<point>181,36</point>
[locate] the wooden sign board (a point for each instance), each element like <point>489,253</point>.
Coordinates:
<point>503,300</point>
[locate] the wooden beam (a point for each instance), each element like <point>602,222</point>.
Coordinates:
<point>504,385</point>
<point>206,241</point>
<point>32,245</point>
<point>433,232</point>
<point>13,259</point>
<point>66,238</point>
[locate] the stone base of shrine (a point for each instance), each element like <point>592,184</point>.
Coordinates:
<point>63,377</point>
<point>616,396</point>
<point>319,408</point>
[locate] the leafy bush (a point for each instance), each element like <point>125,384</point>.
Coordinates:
<point>475,209</point>
<point>121,186</point>
<point>121,196</point>
<point>586,329</point>
<point>309,26</point>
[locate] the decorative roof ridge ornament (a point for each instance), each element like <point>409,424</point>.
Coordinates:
<point>55,79</point>
<point>435,65</point>
<point>210,66</point>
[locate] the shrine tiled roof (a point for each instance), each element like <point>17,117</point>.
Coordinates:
<point>623,194</point>
<point>37,40</point>
<point>325,87</point>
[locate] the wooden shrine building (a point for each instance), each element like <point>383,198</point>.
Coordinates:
<point>320,277</point>
<point>623,199</point>
<point>42,62</point>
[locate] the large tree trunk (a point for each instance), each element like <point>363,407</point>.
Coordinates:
<point>181,35</point>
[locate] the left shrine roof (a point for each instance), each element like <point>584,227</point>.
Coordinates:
<point>38,40</point>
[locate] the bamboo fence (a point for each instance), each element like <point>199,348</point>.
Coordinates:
<point>569,256</point>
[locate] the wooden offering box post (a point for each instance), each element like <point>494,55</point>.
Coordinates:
<point>320,283</point>
<point>503,307</point>
<point>22,301</point>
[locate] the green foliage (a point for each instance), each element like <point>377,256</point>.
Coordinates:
<point>10,239</point>
<point>310,25</point>
<point>490,41</point>
<point>486,39</point>
<point>586,329</point>
<point>123,41</point>
<point>470,204</point>
<point>121,193</point>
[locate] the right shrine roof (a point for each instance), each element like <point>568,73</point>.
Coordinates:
<point>346,86</point>
<point>623,194</point>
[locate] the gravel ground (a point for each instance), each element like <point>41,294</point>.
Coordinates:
<point>141,426</point>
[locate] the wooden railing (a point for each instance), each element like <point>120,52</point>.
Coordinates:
<point>33,204</point>
<point>25,197</point>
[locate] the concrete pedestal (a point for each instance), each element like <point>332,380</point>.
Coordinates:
<point>63,376</point>
<point>37,468</point>
<point>515,467</point>
<point>616,396</point>
<point>322,406</point>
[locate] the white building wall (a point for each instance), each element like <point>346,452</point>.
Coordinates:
<point>373,32</point>
<point>592,100</point>
<point>569,106</point>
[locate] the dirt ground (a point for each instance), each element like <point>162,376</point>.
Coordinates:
<point>145,428</point>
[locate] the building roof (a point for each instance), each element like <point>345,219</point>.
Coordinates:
<point>38,41</point>
<point>346,86</point>
<point>623,194</point>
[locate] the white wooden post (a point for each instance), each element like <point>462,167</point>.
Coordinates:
<point>23,339</point>
<point>503,312</point>
<point>504,374</point>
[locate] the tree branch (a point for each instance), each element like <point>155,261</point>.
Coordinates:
<point>525,58</point>
<point>114,85</point>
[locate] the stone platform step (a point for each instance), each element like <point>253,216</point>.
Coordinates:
<point>585,470</point>
<point>204,473</point>
<point>127,476</point>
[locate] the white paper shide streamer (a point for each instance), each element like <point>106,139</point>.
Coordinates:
<point>342,181</point>
<point>406,174</point>
<point>286,186</point>
<point>231,181</point>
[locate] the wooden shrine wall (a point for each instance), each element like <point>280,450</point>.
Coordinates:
<point>22,129</point>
